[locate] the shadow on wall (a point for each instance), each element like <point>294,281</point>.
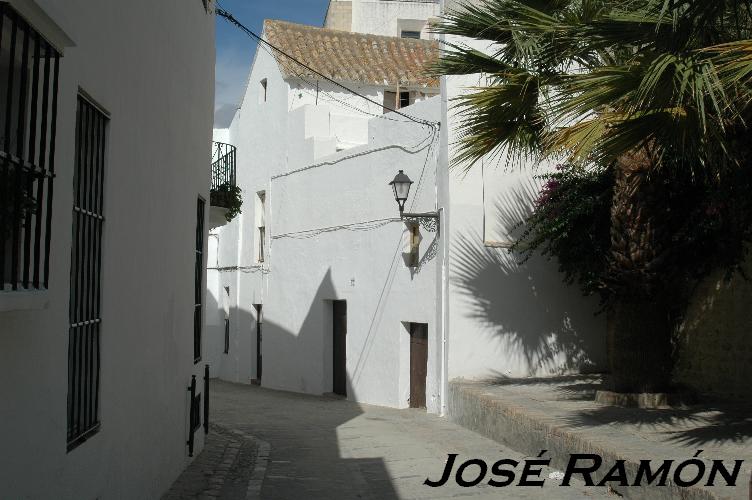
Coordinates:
<point>537,318</point>
<point>292,360</point>
<point>304,430</point>
<point>714,342</point>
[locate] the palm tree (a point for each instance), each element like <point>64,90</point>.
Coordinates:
<point>651,90</point>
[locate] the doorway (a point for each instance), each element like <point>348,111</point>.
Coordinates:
<point>339,341</point>
<point>259,324</point>
<point>418,364</point>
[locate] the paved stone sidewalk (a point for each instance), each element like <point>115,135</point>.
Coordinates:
<point>222,471</point>
<point>561,414</point>
<point>325,448</point>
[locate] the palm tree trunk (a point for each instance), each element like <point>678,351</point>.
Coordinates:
<point>639,346</point>
<point>639,316</point>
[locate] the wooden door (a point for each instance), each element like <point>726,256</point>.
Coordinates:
<point>339,322</point>
<point>418,364</point>
<point>259,324</point>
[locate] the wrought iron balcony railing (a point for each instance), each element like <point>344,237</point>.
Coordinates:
<point>223,165</point>
<point>223,187</point>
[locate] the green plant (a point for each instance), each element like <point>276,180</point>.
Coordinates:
<point>228,196</point>
<point>571,222</point>
<point>656,94</point>
<point>709,226</point>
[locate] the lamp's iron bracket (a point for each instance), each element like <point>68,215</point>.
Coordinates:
<point>427,220</point>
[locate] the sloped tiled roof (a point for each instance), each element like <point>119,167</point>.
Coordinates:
<point>352,57</point>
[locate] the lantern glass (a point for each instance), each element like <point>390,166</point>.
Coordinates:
<point>401,187</point>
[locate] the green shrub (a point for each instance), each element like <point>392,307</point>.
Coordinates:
<point>228,196</point>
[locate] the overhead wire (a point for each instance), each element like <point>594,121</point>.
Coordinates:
<point>231,19</point>
<point>431,138</point>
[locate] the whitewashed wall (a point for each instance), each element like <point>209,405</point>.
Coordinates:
<point>504,319</point>
<point>361,264</point>
<point>259,132</point>
<point>348,114</point>
<point>303,123</point>
<point>391,17</point>
<point>150,64</point>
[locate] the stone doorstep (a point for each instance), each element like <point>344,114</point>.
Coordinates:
<point>528,430</point>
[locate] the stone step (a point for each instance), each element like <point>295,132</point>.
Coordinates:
<point>559,415</point>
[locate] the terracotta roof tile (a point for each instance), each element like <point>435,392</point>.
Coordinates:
<point>352,57</point>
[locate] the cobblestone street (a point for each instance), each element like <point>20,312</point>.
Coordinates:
<point>223,470</point>
<point>325,448</point>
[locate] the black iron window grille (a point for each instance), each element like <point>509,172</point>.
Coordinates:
<point>85,274</point>
<point>194,415</point>
<point>206,399</point>
<point>198,295</point>
<point>29,68</point>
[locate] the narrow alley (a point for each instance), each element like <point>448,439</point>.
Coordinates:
<point>319,445</point>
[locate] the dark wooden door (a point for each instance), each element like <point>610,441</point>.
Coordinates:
<point>418,364</point>
<point>259,324</point>
<point>339,317</point>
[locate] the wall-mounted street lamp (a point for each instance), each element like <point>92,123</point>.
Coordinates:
<point>401,187</point>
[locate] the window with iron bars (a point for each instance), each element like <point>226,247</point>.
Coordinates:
<point>85,273</point>
<point>198,286</point>
<point>29,69</point>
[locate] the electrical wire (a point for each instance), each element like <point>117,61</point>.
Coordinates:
<point>323,95</point>
<point>418,148</point>
<point>433,135</point>
<point>364,225</point>
<point>355,226</point>
<point>231,19</point>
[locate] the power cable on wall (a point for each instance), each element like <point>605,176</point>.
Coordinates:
<point>355,226</point>
<point>244,269</point>
<point>364,225</point>
<point>417,149</point>
<point>427,142</point>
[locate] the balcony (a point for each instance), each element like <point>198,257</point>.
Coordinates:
<point>225,199</point>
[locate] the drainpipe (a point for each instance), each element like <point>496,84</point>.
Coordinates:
<point>444,326</point>
<point>444,221</point>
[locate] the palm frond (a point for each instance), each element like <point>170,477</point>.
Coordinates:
<point>500,118</point>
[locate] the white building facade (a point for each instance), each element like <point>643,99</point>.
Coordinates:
<point>398,18</point>
<point>276,274</point>
<point>423,306</point>
<point>106,147</point>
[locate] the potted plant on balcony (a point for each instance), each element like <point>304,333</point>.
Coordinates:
<point>229,197</point>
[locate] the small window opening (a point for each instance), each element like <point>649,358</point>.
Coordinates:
<point>404,99</point>
<point>227,319</point>
<point>410,34</point>
<point>263,94</point>
<point>260,226</point>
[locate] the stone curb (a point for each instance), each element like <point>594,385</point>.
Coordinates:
<point>221,468</point>
<point>528,432</point>
<point>253,491</point>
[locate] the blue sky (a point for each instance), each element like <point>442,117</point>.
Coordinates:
<point>235,49</point>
